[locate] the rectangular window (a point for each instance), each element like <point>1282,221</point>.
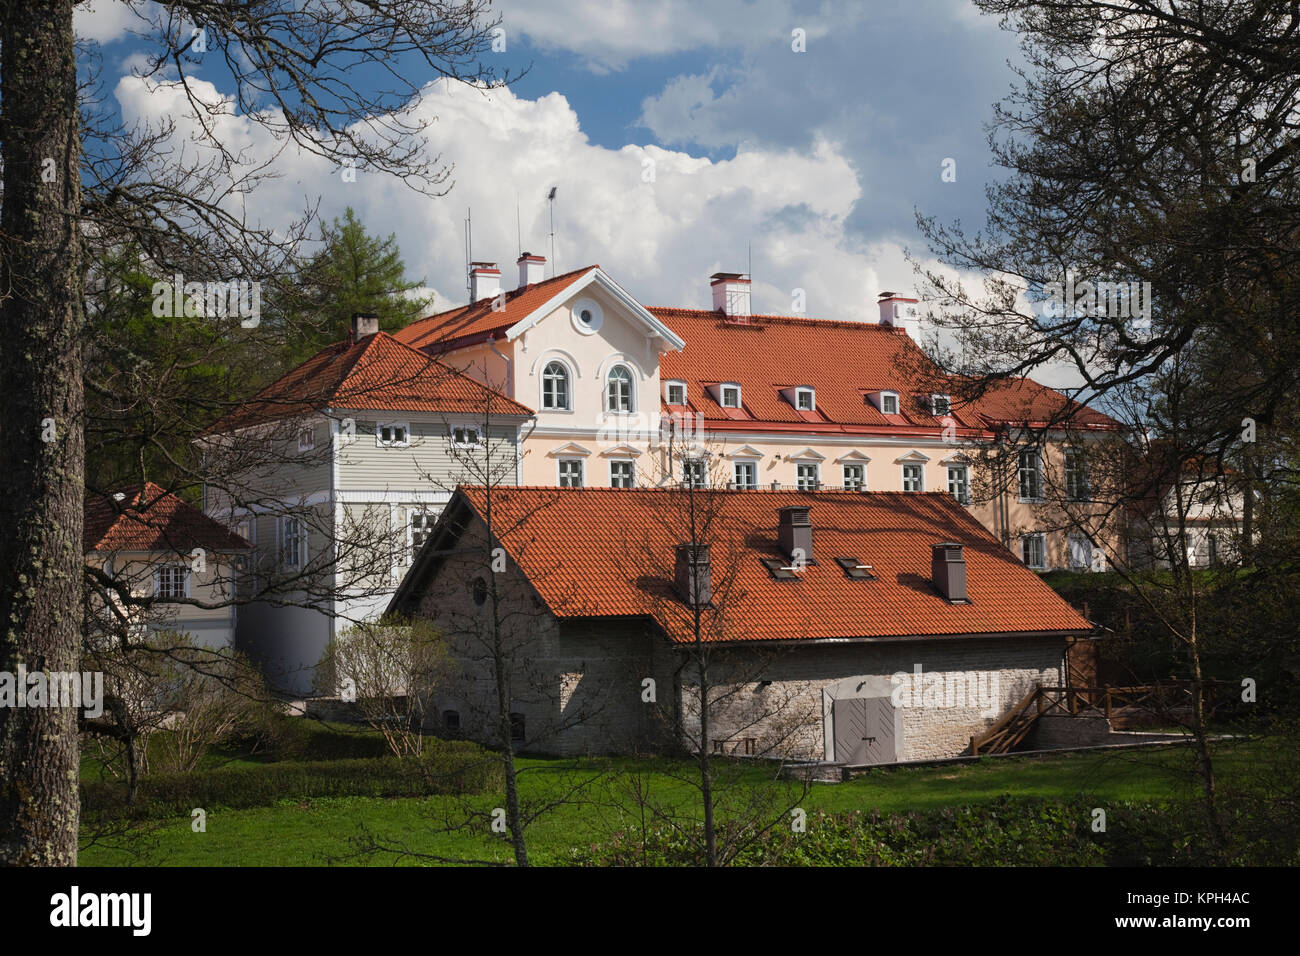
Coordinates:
<point>889,403</point>
<point>804,399</point>
<point>958,485</point>
<point>806,477</point>
<point>1076,474</point>
<point>173,582</point>
<point>464,436</point>
<point>940,405</point>
<point>693,472</point>
<point>913,478</point>
<point>517,726</point>
<point>746,474</point>
<point>292,537</point>
<point>730,396</point>
<point>1031,475</point>
<point>1033,551</point>
<point>676,394</point>
<point>393,435</point>
<point>855,477</point>
<point>570,473</point>
<point>622,474</point>
<point>306,438</point>
<point>421,523</point>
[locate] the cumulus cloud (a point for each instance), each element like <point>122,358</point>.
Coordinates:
<point>102,21</point>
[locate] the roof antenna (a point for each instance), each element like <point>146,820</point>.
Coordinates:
<point>519,231</point>
<point>551,198</point>
<point>469,254</point>
<point>750,277</point>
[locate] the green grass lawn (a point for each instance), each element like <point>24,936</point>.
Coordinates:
<point>323,831</point>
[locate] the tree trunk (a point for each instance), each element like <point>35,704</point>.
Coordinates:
<point>41,416</point>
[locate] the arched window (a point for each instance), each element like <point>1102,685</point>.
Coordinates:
<point>555,387</point>
<point>618,390</point>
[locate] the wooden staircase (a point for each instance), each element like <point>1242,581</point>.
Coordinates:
<point>1011,728</point>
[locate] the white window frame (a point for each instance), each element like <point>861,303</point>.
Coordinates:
<point>309,433</point>
<point>935,401</point>
<point>752,468</point>
<point>559,472</point>
<point>722,395</point>
<point>799,393</point>
<point>184,570</point>
<point>281,527</point>
<point>703,469</point>
<point>799,481</point>
<point>379,435</point>
<point>1038,475</point>
<point>854,484</point>
<point>964,497</point>
<point>1041,539</point>
<point>1079,474</point>
<point>455,443</point>
<point>567,376</point>
<point>886,398</point>
<point>920,472</point>
<point>631,464</point>
<point>668,392</point>
<point>631,390</point>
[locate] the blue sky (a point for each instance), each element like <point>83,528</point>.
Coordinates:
<point>817,160</point>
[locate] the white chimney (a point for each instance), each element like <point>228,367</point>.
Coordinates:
<point>900,312</point>
<point>730,293</point>
<point>531,269</point>
<point>484,281</point>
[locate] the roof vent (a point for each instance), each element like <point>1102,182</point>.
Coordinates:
<point>948,571</point>
<point>795,533</point>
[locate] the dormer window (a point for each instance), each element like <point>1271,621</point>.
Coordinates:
<point>889,403</point>
<point>730,396</point>
<point>676,393</point>
<point>940,405</point>
<point>804,399</point>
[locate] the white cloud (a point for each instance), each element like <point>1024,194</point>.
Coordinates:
<point>102,20</point>
<point>660,239</point>
<point>607,34</point>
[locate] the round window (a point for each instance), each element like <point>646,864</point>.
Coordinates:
<point>587,316</point>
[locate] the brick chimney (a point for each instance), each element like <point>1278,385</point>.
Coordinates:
<point>730,294</point>
<point>692,574</point>
<point>532,269</point>
<point>484,281</point>
<point>948,571</point>
<point>794,530</point>
<point>364,325</point>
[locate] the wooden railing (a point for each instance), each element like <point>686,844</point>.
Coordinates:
<point>1159,698</point>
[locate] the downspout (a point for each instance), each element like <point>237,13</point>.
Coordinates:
<point>510,370</point>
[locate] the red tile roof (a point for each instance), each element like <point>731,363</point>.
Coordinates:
<point>606,552</point>
<point>148,518</point>
<point>843,362</point>
<point>380,373</point>
<point>479,320</point>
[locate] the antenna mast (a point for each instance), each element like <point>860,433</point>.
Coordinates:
<point>551,199</point>
<point>469,254</point>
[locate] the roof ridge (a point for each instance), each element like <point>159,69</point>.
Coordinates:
<point>511,294</point>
